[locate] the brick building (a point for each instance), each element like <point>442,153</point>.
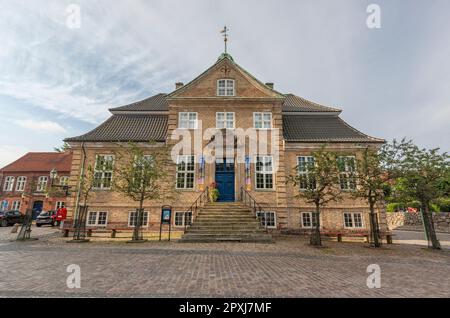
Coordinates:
<point>26,183</point>
<point>225,98</point>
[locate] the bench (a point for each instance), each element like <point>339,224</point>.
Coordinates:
<point>339,235</point>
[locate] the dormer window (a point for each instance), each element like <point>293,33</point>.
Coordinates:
<point>225,87</point>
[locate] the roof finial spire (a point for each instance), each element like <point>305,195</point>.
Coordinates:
<point>225,36</point>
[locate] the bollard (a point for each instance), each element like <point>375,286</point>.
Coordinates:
<point>113,233</point>
<point>339,237</point>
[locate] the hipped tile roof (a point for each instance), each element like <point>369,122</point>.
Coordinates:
<point>41,162</point>
<point>125,128</point>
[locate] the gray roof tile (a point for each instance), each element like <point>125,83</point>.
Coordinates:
<point>128,128</point>
<point>154,103</point>
<point>294,103</point>
<point>319,128</point>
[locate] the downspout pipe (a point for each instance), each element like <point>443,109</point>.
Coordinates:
<point>80,181</point>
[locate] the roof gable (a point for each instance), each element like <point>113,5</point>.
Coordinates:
<point>205,85</point>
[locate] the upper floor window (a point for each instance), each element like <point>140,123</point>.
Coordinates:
<point>262,120</point>
<point>9,183</point>
<point>20,184</point>
<point>187,120</point>
<point>185,172</point>
<point>225,120</point>
<point>42,183</point>
<point>305,164</point>
<point>225,87</point>
<point>103,171</point>
<point>347,168</point>
<point>64,180</point>
<point>264,172</point>
<point>60,204</point>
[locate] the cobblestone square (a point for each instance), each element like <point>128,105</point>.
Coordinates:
<point>287,268</point>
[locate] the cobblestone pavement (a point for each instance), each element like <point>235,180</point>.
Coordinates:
<point>44,231</point>
<point>287,268</point>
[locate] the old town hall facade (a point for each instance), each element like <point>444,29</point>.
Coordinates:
<point>228,98</point>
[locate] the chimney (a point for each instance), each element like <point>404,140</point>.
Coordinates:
<point>270,85</point>
<point>178,85</point>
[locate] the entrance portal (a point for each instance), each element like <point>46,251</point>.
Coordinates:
<point>225,179</point>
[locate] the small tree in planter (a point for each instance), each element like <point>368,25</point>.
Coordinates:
<point>318,185</point>
<point>213,193</point>
<point>140,177</point>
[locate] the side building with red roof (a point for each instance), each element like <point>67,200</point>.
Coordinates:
<point>26,183</point>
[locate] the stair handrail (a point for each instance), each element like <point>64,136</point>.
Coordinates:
<point>251,202</point>
<point>198,203</point>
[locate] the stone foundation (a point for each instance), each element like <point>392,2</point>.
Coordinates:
<point>413,219</point>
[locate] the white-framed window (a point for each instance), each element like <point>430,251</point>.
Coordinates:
<point>42,183</point>
<point>268,219</point>
<point>225,87</point>
<point>304,165</point>
<point>225,120</point>
<point>308,219</point>
<point>262,120</point>
<point>20,184</point>
<point>182,218</point>
<point>264,172</point>
<point>97,218</point>
<point>60,204</point>
<point>16,205</point>
<point>64,180</point>
<point>9,184</point>
<point>353,220</point>
<point>132,218</point>
<point>187,120</point>
<point>103,172</point>
<point>347,168</point>
<point>185,172</point>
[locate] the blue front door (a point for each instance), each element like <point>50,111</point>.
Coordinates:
<point>225,179</point>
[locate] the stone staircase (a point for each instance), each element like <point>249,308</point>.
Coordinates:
<point>226,222</point>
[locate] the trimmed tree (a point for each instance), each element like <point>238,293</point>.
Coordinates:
<point>317,180</point>
<point>141,177</point>
<point>421,175</point>
<point>372,180</point>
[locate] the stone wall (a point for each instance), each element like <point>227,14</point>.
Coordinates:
<point>414,219</point>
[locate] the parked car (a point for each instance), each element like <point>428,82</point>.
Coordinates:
<point>10,218</point>
<point>46,218</point>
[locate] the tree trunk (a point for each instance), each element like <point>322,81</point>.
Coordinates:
<point>429,226</point>
<point>137,232</point>
<point>315,238</point>
<point>374,228</point>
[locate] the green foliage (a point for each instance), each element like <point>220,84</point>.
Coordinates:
<point>443,204</point>
<point>140,175</point>
<point>214,194</point>
<point>394,207</point>
<point>65,146</point>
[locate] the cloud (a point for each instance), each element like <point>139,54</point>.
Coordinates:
<point>41,126</point>
<point>10,153</point>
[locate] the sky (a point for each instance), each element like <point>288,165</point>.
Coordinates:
<point>58,78</point>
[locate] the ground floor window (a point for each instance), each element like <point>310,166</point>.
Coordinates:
<point>132,218</point>
<point>16,205</point>
<point>267,219</point>
<point>309,219</point>
<point>97,218</point>
<point>353,220</point>
<point>182,218</point>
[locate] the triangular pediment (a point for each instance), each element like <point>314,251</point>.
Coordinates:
<point>205,85</point>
